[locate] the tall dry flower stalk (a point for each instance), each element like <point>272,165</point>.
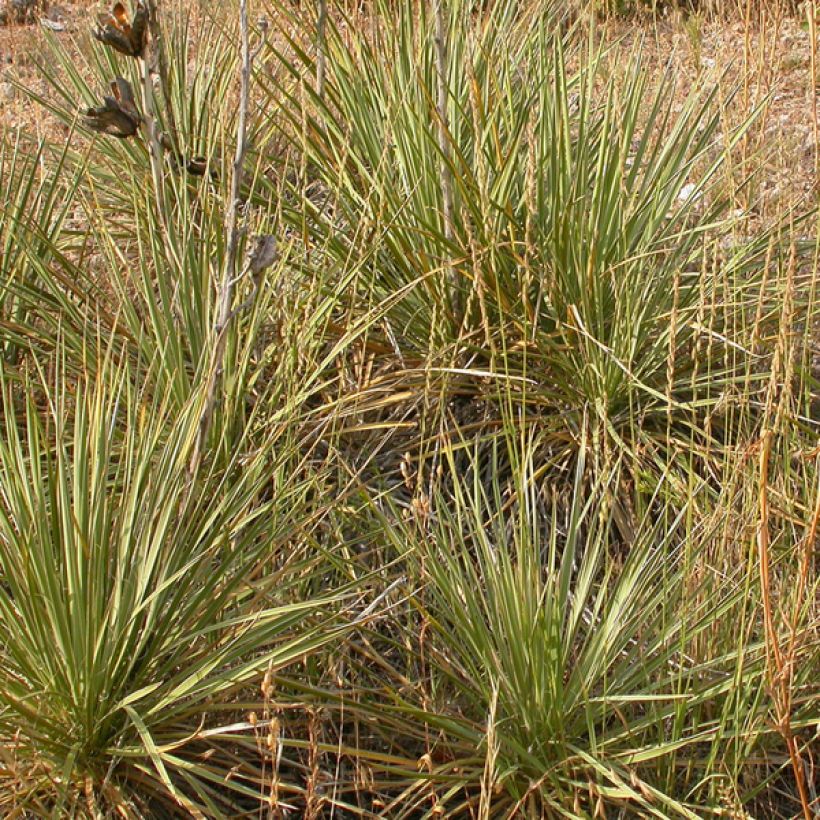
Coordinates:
<point>263,253</point>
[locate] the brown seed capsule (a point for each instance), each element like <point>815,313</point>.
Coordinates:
<point>197,166</point>
<point>262,253</point>
<point>115,30</point>
<point>118,117</point>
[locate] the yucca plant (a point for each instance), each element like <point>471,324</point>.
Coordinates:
<point>554,663</point>
<point>587,243</point>
<point>372,144</point>
<point>155,243</point>
<point>525,245</point>
<point>138,602</point>
<point>159,228</point>
<point>192,105</point>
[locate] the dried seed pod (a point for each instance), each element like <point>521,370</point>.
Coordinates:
<point>262,253</point>
<point>115,30</point>
<point>197,166</point>
<point>118,117</point>
<point>139,28</point>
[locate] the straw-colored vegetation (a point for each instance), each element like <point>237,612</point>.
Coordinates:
<point>407,412</point>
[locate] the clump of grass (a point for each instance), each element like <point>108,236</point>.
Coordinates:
<point>137,600</point>
<point>40,189</point>
<point>557,677</point>
<point>587,232</point>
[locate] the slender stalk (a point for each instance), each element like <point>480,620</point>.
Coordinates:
<point>811,11</point>
<point>763,547</point>
<point>232,232</point>
<point>151,133</point>
<point>780,671</point>
<point>158,47</point>
<point>149,126</point>
<point>443,138</point>
<point>321,25</point>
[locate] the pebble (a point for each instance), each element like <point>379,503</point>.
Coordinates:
<point>690,191</point>
<point>7,92</point>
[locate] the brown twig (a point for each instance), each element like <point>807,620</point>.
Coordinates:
<point>232,232</point>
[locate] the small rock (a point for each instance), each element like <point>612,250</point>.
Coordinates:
<point>7,92</point>
<point>690,191</point>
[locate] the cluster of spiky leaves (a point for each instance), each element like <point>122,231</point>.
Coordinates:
<point>479,526</point>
